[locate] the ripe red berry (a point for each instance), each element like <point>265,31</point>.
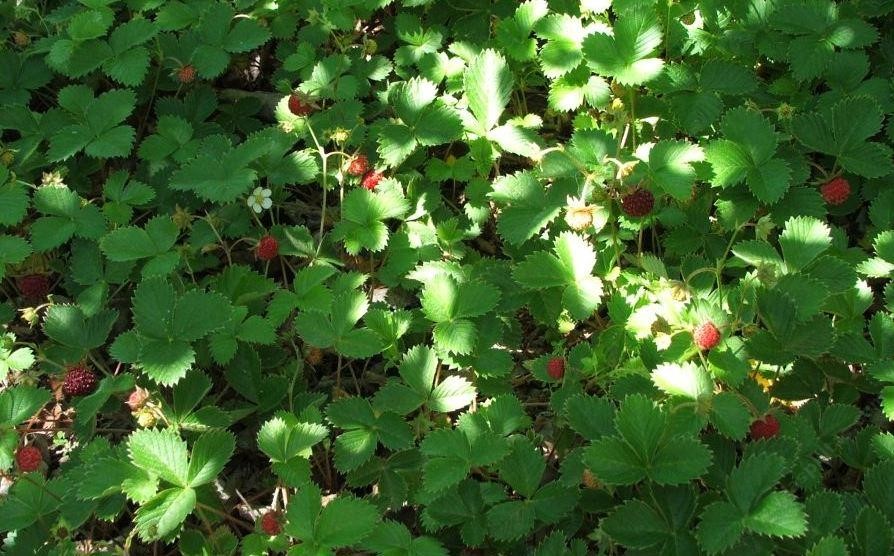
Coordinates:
<point>768,427</point>
<point>706,336</point>
<point>28,458</point>
<point>270,523</point>
<point>299,106</point>
<point>268,248</point>
<point>359,165</point>
<point>186,74</point>
<point>79,381</point>
<point>555,368</point>
<point>638,202</point>
<point>34,286</point>
<point>372,179</point>
<point>836,191</point>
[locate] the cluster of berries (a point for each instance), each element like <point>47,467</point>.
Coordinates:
<point>78,381</point>
<point>359,168</point>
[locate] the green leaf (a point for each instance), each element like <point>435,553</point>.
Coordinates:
<point>803,239</point>
<point>529,207</point>
<point>729,416</point>
<point>21,402</point>
<point>829,546</point>
<point>589,416</point>
<point>153,306</point>
<point>688,381</point>
<point>451,394</point>
<point>635,524</point>
<point>641,424</point>
<point>522,469</point>
<point>345,521</point>
<point>210,454</point>
<point>746,153</point>
<point>879,490</point>
<point>27,501</point>
<point>754,477</point>
<point>13,250</point>
<point>720,528</point>
<point>131,243</point>
<point>872,532</point>
<point>284,437</point>
<point>197,314</point>
<point>614,462</point>
<point>221,174</point>
<point>509,521</point>
<point>625,53</point>
<point>13,207</point>
<point>67,325</point>
<point>679,461</point>
<point>164,514</point>
<point>669,166</point>
<point>843,131</point>
<point>779,514</point>
<point>571,267</point>
<point>162,453</point>
<point>569,92</point>
<point>488,84</point>
<point>363,215</point>
<point>97,132</point>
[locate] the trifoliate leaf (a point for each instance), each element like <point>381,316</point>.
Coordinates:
<point>284,437</point>
<point>843,132</point>
<point>625,52</point>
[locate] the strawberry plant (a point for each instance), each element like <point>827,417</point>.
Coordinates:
<point>430,277</point>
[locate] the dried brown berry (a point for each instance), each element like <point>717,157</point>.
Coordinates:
<point>34,286</point>
<point>638,202</point>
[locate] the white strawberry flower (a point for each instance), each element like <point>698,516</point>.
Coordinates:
<point>260,199</point>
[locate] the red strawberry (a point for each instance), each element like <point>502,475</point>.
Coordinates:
<point>299,106</point>
<point>186,74</point>
<point>555,368</point>
<point>836,191</point>
<point>28,458</point>
<point>270,523</point>
<point>79,381</point>
<point>638,202</point>
<point>706,336</point>
<point>372,179</point>
<point>34,286</point>
<point>359,165</point>
<point>268,248</point>
<point>768,427</point>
